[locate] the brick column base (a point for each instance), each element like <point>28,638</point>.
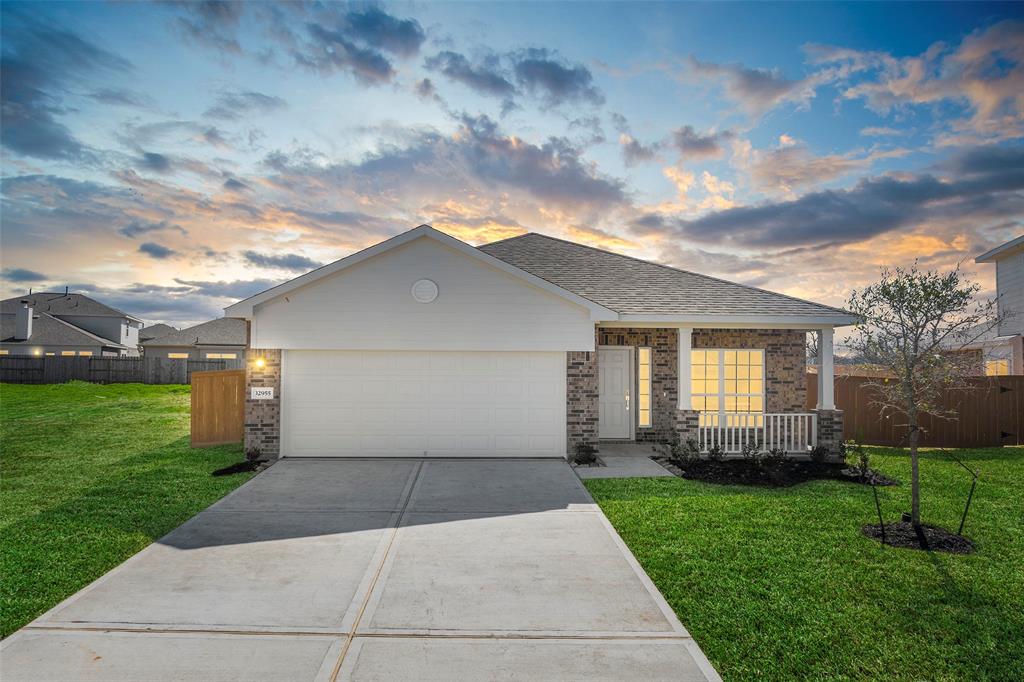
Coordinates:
<point>263,417</point>
<point>686,424</point>
<point>830,431</point>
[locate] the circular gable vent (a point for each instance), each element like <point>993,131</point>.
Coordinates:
<point>424,291</point>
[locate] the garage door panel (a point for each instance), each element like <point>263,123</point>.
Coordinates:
<point>364,403</point>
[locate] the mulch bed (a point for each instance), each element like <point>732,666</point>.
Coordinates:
<point>903,534</point>
<point>788,473</point>
<point>239,468</point>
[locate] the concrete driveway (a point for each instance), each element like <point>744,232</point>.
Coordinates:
<point>374,570</point>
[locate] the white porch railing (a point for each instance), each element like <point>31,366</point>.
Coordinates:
<point>791,432</point>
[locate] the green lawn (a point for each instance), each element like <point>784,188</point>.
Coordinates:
<point>780,584</point>
<point>91,475</point>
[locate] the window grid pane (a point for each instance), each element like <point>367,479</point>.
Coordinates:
<point>727,386</point>
<point>643,356</point>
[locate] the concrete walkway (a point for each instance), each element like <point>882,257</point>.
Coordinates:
<point>624,460</point>
<point>374,570</point>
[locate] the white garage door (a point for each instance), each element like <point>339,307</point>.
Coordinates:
<point>401,404</point>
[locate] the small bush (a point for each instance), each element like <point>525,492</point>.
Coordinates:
<point>253,455</point>
<point>716,453</point>
<point>857,459</point>
<point>818,454</point>
<point>751,453</point>
<point>585,453</point>
<point>774,458</point>
<point>680,453</point>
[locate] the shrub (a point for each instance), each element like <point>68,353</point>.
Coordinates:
<point>818,454</point>
<point>751,453</point>
<point>584,453</point>
<point>253,455</point>
<point>716,453</point>
<point>775,457</point>
<point>857,459</point>
<point>680,453</point>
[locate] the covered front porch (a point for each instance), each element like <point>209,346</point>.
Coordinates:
<point>722,387</point>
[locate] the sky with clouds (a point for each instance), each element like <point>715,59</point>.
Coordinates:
<point>171,158</point>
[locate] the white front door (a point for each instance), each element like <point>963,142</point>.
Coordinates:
<point>614,369</point>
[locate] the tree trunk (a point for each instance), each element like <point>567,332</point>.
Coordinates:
<point>915,482</point>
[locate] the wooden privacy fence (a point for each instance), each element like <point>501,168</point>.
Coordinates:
<point>990,413</point>
<point>50,369</point>
<point>218,407</point>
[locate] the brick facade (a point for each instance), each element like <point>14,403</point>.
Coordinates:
<point>664,345</point>
<point>263,417</point>
<point>580,399</point>
<point>784,359</point>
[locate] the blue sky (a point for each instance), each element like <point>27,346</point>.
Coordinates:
<point>171,158</point>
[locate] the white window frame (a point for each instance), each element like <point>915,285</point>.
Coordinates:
<point>722,393</point>
<point>640,385</point>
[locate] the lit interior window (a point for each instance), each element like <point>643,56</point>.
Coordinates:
<point>4,351</point>
<point>67,353</point>
<point>178,356</point>
<point>997,368</point>
<point>50,354</point>
<point>85,353</point>
<point>727,385</point>
<point>221,356</point>
<point>644,386</point>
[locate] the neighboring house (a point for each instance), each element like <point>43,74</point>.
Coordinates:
<point>531,346</point>
<point>1002,350</point>
<point>155,331</point>
<point>221,339</point>
<point>66,324</point>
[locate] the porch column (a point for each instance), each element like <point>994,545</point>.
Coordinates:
<point>685,345</point>
<point>826,371</point>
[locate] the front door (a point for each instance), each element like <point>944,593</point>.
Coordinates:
<point>614,367</point>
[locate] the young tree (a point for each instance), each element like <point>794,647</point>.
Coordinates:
<point>916,324</point>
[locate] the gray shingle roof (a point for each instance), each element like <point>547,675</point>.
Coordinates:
<point>155,331</point>
<point>631,286</point>
<point>62,304</point>
<point>224,331</point>
<point>47,330</point>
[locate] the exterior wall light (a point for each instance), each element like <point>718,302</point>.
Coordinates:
<point>261,363</point>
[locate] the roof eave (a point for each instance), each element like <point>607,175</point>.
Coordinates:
<point>991,255</point>
<point>730,319</point>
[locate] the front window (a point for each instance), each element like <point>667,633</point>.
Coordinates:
<point>727,386</point>
<point>85,353</point>
<point>178,356</point>
<point>67,353</point>
<point>643,389</point>
<point>997,368</point>
<point>221,356</point>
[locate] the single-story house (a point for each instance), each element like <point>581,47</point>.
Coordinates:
<point>155,331</point>
<point>65,324</point>
<point>530,346</point>
<point>220,339</point>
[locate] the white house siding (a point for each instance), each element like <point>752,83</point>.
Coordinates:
<point>1010,285</point>
<point>369,306</point>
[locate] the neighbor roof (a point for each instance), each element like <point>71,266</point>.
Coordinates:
<point>635,287</point>
<point>1001,250</point>
<point>63,304</point>
<point>155,331</point>
<point>224,331</point>
<point>47,330</point>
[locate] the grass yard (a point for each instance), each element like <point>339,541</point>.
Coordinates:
<point>780,584</point>
<point>91,475</point>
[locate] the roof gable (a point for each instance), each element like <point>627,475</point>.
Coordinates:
<point>48,330</point>
<point>245,307</point>
<point>639,289</point>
